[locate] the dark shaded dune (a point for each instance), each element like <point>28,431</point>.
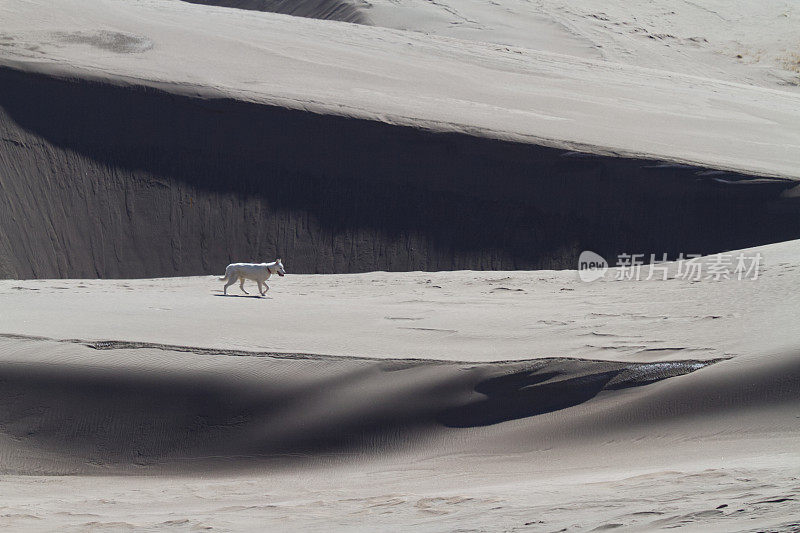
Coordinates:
<point>340,10</point>
<point>105,180</point>
<point>155,408</point>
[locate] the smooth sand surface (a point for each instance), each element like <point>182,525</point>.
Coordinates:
<point>457,316</point>
<point>629,403</point>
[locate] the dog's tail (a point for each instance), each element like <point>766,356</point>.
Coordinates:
<point>224,278</point>
<point>226,275</point>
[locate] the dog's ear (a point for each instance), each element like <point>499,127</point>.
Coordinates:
<point>279,260</point>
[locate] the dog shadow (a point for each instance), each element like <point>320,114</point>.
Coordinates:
<point>257,296</point>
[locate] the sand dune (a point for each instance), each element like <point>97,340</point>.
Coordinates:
<point>424,153</point>
<point>183,186</point>
<point>219,404</point>
<point>405,77</point>
<point>163,410</point>
<point>454,316</point>
<point>474,139</point>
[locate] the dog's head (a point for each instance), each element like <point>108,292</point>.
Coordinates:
<point>278,268</point>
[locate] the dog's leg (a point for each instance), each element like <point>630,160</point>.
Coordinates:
<point>241,285</point>
<point>231,281</point>
<point>260,289</point>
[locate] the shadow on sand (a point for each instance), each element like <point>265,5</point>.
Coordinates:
<point>241,296</point>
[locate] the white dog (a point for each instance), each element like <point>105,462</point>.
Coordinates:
<point>258,272</point>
